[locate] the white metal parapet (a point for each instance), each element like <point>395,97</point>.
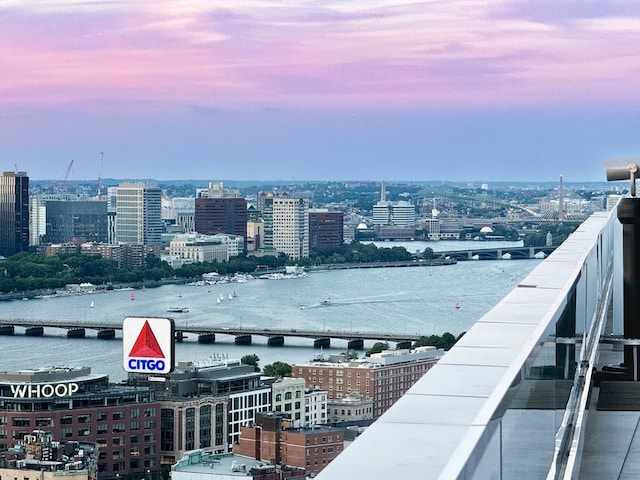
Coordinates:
<point>493,406</point>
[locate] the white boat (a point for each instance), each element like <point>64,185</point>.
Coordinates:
<point>91,305</point>
<point>326,301</point>
<point>230,297</point>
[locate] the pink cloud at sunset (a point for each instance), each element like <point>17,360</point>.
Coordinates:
<point>316,89</point>
<point>352,54</point>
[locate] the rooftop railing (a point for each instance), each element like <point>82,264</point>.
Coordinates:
<point>508,400</point>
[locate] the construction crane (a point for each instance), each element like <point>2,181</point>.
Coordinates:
<point>100,179</point>
<point>66,176</point>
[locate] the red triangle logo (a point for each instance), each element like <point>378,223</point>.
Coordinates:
<point>146,345</point>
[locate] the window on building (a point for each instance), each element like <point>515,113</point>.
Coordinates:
<point>43,422</point>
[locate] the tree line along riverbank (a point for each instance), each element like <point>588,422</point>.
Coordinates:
<point>28,274</point>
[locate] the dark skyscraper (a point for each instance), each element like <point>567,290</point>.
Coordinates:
<point>14,213</point>
<point>78,220</point>
<point>325,230</point>
<point>221,215</point>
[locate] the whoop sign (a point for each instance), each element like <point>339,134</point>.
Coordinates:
<point>148,344</point>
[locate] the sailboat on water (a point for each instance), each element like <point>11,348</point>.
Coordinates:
<point>457,305</point>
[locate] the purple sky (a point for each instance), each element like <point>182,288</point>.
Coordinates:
<point>319,90</point>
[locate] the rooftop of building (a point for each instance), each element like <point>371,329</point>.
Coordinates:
<point>229,465</point>
<point>49,374</point>
<point>377,360</point>
<point>38,451</point>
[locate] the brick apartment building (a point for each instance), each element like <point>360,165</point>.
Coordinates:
<point>383,377</point>
<point>76,405</point>
<point>271,440</point>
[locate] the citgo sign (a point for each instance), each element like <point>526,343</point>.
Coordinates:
<point>148,344</point>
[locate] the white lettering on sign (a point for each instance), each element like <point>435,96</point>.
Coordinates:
<point>45,390</point>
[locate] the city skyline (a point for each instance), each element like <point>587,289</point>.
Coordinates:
<point>248,90</point>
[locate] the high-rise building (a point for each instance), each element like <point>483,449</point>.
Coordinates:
<point>38,214</point>
<point>139,213</point>
<point>221,215</point>
<point>399,214</point>
<point>76,221</point>
<point>180,213</point>
<point>286,226</point>
<point>14,213</point>
<point>325,229</point>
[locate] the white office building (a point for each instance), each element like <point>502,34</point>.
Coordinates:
<point>139,213</point>
<point>397,214</point>
<point>288,396</point>
<point>243,407</point>
<point>199,248</point>
<point>315,407</point>
<point>181,212</point>
<point>286,226</point>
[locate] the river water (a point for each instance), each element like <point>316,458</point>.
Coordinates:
<point>418,300</point>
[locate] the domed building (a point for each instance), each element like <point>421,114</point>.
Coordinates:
<point>364,232</point>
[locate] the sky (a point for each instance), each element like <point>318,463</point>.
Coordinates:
<point>389,90</point>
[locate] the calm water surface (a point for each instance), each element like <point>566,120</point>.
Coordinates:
<point>407,300</point>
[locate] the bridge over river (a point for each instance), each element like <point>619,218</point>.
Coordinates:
<point>207,334</point>
<point>487,253</point>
